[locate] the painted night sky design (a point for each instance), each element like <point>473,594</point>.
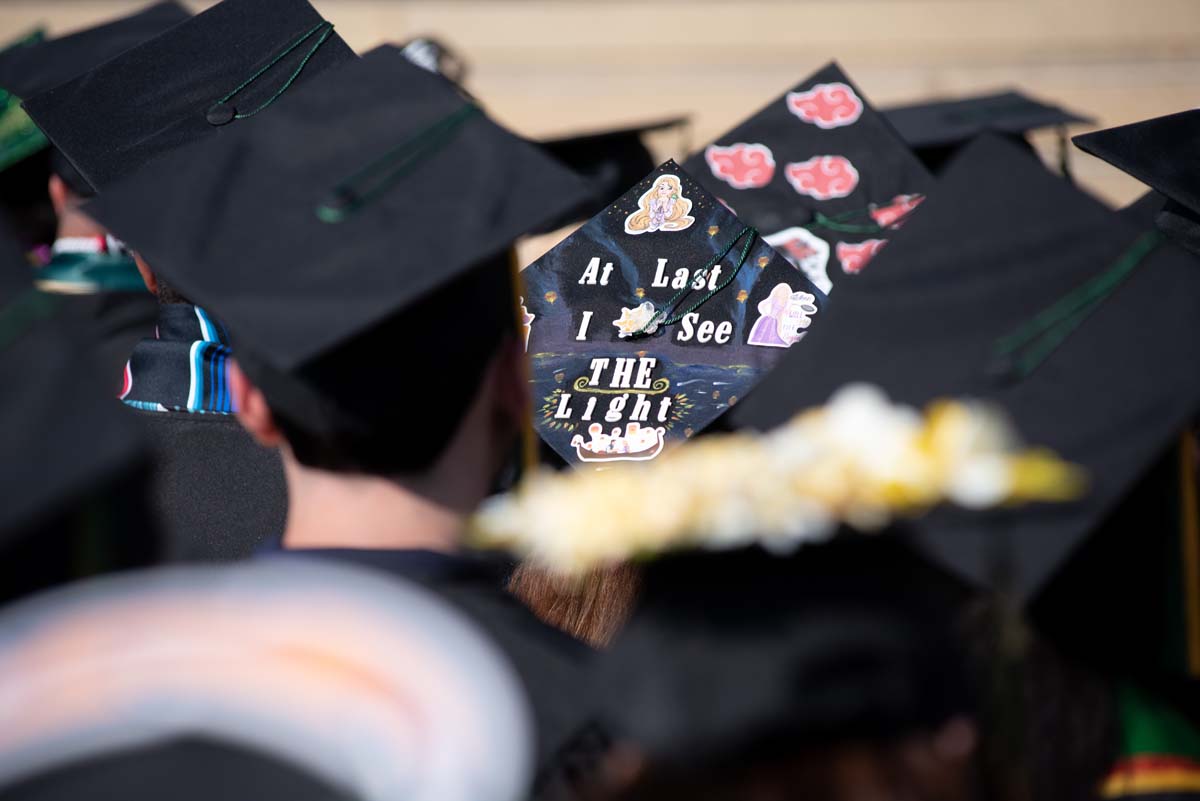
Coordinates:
<point>600,396</point>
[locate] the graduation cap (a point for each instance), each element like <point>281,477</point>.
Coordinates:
<point>215,69</point>
<point>43,64</point>
<point>778,556</point>
<point>221,682</point>
<point>30,70</point>
<point>937,129</point>
<point>612,160</point>
<point>819,173</point>
<point>20,138</point>
<point>655,318</point>
<point>850,641</point>
<point>378,209</point>
<point>1161,153</point>
<point>71,459</point>
<point>24,165</point>
<point>1014,287</point>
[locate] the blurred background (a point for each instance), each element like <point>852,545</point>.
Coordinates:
<point>558,67</point>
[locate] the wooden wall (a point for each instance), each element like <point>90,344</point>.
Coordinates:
<point>558,66</point>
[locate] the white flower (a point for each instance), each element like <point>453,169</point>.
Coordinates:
<point>860,460</point>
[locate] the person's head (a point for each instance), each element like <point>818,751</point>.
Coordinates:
<point>365,407</point>
<point>68,191</point>
<point>371,309</point>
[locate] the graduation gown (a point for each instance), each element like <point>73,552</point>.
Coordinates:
<point>554,668</point>
<point>215,493</point>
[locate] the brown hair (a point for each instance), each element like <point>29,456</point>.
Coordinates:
<point>592,607</point>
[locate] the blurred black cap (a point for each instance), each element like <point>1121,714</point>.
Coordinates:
<point>31,70</point>
<point>937,129</point>
<point>611,160</point>
<point>1161,153</point>
<point>1013,287</point>
<point>745,653</point>
<point>221,66</point>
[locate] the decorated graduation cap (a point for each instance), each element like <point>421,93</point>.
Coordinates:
<point>69,459</point>
<point>937,129</point>
<point>226,682</point>
<point>653,319</point>
<point>612,160</point>
<point>1015,287</point>
<point>1161,153</point>
<point>209,72</point>
<point>378,207</point>
<point>819,173</point>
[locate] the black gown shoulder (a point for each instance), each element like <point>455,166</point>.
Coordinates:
<point>216,494</point>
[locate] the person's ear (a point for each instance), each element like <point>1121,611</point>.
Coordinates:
<point>251,409</point>
<point>61,197</point>
<point>146,273</point>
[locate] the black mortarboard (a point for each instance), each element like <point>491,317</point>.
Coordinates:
<point>219,67</point>
<point>1161,153</point>
<point>846,641</point>
<point>71,458</point>
<point>819,173</point>
<point>354,239</point>
<point>937,129</point>
<point>24,165</point>
<point>612,160</point>
<point>19,137</point>
<point>655,318</point>
<point>31,70</point>
<point>1014,287</point>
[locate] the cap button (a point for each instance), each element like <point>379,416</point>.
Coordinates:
<point>1002,370</point>
<point>221,114</point>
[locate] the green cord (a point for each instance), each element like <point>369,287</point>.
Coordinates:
<point>837,222</point>
<point>654,322</point>
<point>328,30</point>
<point>22,312</point>
<point>834,224</point>
<point>383,172</point>
<point>1046,331</point>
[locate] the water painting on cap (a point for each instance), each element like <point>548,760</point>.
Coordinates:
<point>653,319</point>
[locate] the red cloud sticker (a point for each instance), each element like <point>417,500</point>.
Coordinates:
<point>897,210</point>
<point>742,166</point>
<point>823,177</point>
<point>856,256</point>
<point>826,105</point>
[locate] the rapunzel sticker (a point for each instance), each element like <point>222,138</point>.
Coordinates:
<point>662,208</point>
<point>783,316</point>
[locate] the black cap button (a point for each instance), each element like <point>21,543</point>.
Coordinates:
<point>221,114</point>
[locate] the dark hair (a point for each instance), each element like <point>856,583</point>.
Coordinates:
<point>168,294</point>
<point>357,408</point>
